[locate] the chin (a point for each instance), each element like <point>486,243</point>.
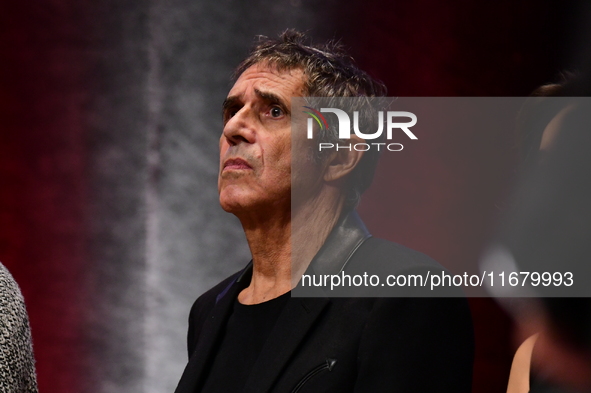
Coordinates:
<point>229,208</point>
<point>231,203</point>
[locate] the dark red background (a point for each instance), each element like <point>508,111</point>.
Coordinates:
<point>419,48</point>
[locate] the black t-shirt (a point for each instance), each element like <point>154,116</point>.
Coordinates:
<point>245,334</point>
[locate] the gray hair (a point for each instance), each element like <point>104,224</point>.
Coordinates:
<point>329,72</point>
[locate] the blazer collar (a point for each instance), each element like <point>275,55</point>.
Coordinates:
<point>332,258</point>
<point>342,242</point>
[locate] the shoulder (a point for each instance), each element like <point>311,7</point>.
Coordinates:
<point>396,256</point>
<point>430,338</point>
<point>12,304</point>
<point>16,347</point>
<point>398,271</point>
<point>9,288</point>
<point>204,305</point>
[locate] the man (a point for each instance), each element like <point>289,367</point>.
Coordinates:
<point>247,334</point>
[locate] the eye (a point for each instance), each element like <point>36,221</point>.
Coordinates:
<point>276,112</point>
<point>228,114</point>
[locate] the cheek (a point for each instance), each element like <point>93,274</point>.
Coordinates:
<point>223,150</point>
<point>304,163</point>
<point>282,164</point>
<point>276,155</point>
<point>284,149</point>
<point>223,146</point>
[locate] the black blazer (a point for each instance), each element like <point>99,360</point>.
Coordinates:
<point>341,345</point>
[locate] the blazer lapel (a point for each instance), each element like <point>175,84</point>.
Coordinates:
<point>295,321</point>
<point>342,242</point>
<point>332,258</point>
<point>213,329</point>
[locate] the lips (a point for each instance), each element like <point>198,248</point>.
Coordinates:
<point>236,164</point>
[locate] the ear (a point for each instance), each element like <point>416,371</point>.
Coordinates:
<point>343,161</point>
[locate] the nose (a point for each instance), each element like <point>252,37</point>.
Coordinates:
<point>240,128</point>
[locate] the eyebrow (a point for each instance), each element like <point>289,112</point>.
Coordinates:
<point>269,97</point>
<point>229,102</point>
<point>266,96</point>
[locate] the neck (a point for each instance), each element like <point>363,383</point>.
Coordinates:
<point>277,262</point>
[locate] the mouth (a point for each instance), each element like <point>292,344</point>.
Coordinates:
<point>235,164</point>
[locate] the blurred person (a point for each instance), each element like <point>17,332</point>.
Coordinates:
<point>248,334</point>
<point>17,364</point>
<point>548,229</point>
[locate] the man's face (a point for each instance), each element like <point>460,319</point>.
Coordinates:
<point>255,146</point>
